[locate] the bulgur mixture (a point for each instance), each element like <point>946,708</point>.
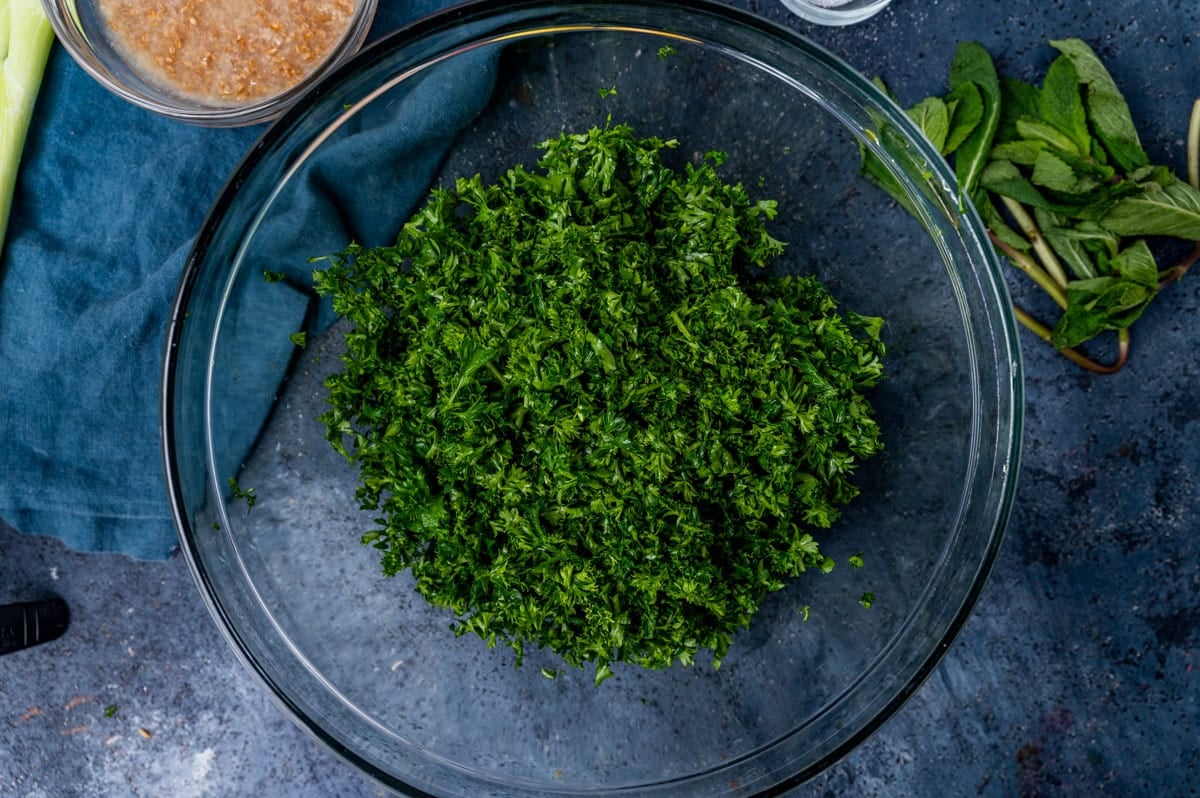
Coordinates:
<point>227,51</point>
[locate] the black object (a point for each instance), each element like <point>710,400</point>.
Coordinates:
<point>29,623</point>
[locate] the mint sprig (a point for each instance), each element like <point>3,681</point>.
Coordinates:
<point>1068,194</point>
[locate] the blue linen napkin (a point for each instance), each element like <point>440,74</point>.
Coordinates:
<point>107,201</point>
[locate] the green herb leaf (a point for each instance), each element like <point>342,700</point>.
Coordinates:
<point>972,64</point>
<point>249,495</point>
<point>1061,174</point>
<point>1005,179</point>
<point>1111,302</point>
<point>1022,151</point>
<point>1173,210</point>
<point>967,113</point>
<point>1018,100</point>
<point>997,224</point>
<point>933,117</point>
<point>1038,131</point>
<point>1060,103</point>
<point>1106,107</point>
<point>1082,245</point>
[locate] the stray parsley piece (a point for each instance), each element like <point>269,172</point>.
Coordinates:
<point>867,600</point>
<point>856,560</point>
<point>249,495</point>
<point>273,276</point>
<point>300,339</point>
<point>666,51</point>
<point>604,91</point>
<point>1068,194</point>
<point>110,710</point>
<point>585,415</point>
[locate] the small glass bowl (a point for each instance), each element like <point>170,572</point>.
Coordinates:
<point>835,12</point>
<point>84,32</point>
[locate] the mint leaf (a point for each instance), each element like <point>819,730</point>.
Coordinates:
<point>1021,151</point>
<point>972,64</point>
<point>1082,245</point>
<point>1057,173</point>
<point>966,115</point>
<point>997,224</point>
<point>1170,211</point>
<point>1111,302</point>
<point>1018,100</point>
<point>1046,133</point>
<point>933,117</point>
<point>1107,110</point>
<point>1005,179</point>
<point>1060,104</point>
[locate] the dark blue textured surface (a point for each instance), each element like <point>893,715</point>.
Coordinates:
<point>1077,675</point>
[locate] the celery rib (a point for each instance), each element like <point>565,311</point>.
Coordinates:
<point>25,41</point>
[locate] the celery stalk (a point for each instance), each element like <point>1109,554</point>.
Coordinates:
<point>25,39</point>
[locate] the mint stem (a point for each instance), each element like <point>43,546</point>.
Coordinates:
<point>1193,146</point>
<point>1042,247</point>
<point>1074,355</point>
<point>1031,268</point>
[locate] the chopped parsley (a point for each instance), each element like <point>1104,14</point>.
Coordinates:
<point>585,415</point>
<point>249,495</point>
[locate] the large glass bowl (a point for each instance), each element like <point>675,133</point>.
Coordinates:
<point>361,660</point>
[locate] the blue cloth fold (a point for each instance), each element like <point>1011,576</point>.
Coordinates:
<point>107,201</point>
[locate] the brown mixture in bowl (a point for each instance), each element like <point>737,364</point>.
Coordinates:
<point>227,51</point>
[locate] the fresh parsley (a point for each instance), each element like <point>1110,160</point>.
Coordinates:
<point>586,416</point>
<point>249,495</point>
